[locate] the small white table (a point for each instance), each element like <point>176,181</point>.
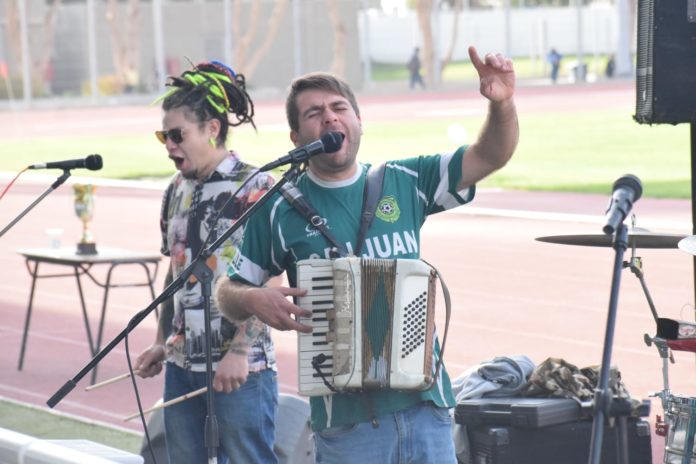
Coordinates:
<point>81,265</point>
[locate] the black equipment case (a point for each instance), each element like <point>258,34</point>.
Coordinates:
<point>543,431</point>
<point>567,443</point>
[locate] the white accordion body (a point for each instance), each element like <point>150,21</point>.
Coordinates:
<point>373,325</point>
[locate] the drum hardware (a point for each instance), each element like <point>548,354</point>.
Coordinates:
<point>637,238</point>
<point>679,425</point>
<point>666,354</point>
<point>688,244</point>
<point>681,417</point>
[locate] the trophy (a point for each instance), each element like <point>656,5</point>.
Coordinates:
<point>84,209</point>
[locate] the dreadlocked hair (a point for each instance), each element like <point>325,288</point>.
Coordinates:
<point>211,90</point>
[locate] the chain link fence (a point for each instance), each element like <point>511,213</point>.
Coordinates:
<point>55,52</point>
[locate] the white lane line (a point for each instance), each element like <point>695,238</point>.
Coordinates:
<point>564,217</point>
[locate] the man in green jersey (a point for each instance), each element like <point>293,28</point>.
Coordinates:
<point>384,426</point>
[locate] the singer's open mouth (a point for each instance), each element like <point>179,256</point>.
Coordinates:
<point>340,132</point>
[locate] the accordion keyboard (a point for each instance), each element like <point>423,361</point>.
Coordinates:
<point>316,276</point>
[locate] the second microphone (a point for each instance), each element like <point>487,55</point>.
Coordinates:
<point>328,143</point>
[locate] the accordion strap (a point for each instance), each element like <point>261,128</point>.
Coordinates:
<point>448,313</point>
<point>373,190</point>
<point>371,194</point>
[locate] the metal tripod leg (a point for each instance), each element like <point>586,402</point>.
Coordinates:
<point>636,266</point>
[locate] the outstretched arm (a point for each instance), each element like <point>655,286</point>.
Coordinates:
<point>499,134</point>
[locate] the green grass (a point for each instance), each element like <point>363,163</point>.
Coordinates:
<point>585,152</point>
<point>44,424</point>
<point>579,151</point>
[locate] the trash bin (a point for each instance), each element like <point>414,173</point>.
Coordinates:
<point>579,72</point>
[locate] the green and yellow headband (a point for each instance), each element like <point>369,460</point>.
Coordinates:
<point>212,81</point>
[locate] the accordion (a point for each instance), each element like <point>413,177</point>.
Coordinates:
<point>372,325</point>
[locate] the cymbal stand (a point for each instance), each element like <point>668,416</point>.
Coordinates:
<point>662,424</point>
<point>636,266</point>
<point>666,355</point>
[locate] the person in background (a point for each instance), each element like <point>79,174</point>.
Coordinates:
<point>414,70</point>
<point>200,203</point>
<point>381,426</point>
<point>611,66</point>
<point>554,58</point>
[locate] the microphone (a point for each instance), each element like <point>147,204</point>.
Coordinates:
<point>626,190</point>
<point>92,162</point>
<point>328,143</point>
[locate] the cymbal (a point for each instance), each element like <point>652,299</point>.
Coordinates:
<point>688,244</point>
<point>640,238</point>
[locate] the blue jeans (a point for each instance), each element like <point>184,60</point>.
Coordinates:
<point>245,417</point>
<point>421,434</point>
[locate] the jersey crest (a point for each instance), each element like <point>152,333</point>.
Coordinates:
<point>388,209</point>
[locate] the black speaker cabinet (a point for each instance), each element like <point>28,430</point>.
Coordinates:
<point>666,62</point>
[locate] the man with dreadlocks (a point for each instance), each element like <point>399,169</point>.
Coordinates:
<point>199,205</point>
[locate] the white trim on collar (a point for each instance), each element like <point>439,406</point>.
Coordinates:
<point>337,183</point>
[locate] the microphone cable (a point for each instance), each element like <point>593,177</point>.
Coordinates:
<point>7,187</point>
<point>138,402</point>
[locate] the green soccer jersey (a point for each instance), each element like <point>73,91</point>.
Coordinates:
<point>277,236</point>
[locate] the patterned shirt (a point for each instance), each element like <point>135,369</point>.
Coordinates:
<point>279,236</point>
<point>188,219</point>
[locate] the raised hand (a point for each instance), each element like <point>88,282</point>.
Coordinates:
<point>496,75</point>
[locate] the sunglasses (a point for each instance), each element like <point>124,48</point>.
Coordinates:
<point>175,135</point>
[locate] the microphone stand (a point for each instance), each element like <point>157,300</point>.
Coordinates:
<point>202,272</point>
<point>58,182</point>
<point>604,403</point>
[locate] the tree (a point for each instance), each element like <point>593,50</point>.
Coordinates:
<point>424,9</point>
<point>247,60</point>
<point>125,47</point>
<point>38,69</point>
<point>45,64</point>
<point>14,34</point>
<point>338,65</point>
<point>456,6</point>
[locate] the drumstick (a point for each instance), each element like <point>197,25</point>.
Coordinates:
<point>107,382</point>
<point>198,392</point>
